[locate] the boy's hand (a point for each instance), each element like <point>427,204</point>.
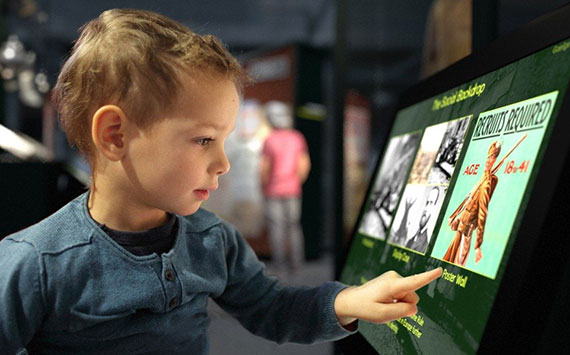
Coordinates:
<point>385,298</point>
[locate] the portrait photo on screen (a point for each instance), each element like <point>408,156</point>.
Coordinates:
<point>388,185</point>
<point>417,213</point>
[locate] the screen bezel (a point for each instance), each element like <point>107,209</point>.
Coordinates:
<point>507,321</point>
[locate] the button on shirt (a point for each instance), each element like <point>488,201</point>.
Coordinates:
<point>157,240</point>
<point>73,289</point>
<point>169,275</point>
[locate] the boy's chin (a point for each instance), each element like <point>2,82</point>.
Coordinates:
<point>186,211</point>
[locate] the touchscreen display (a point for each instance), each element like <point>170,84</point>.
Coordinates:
<point>450,190</point>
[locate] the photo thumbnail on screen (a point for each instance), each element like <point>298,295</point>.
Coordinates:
<point>427,185</point>
<point>388,186</point>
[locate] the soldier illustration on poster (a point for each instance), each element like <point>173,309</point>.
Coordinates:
<point>491,184</point>
<point>472,213</point>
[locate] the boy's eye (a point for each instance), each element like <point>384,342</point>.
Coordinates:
<point>204,141</point>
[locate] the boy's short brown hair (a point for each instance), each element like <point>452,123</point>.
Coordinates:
<point>133,59</point>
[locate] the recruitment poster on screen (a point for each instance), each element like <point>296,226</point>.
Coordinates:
<point>492,181</point>
<point>449,191</point>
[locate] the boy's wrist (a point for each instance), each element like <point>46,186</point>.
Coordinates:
<point>342,306</point>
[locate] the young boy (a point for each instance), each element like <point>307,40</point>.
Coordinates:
<point>119,269</point>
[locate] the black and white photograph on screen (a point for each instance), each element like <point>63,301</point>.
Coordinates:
<point>429,146</point>
<point>448,154</point>
<point>416,217</point>
<point>388,185</point>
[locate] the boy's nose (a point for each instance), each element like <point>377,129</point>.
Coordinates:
<point>221,165</point>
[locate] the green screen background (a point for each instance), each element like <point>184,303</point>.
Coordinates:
<point>453,318</point>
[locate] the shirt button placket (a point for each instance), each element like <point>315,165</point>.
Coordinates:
<point>170,285</point>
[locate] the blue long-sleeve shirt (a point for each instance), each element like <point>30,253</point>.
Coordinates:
<point>67,287</point>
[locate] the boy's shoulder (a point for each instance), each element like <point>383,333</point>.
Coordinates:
<point>71,227</point>
<point>65,229</point>
<point>202,220</point>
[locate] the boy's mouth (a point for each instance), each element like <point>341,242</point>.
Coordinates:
<point>202,194</point>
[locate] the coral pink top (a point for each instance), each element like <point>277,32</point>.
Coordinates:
<point>284,147</point>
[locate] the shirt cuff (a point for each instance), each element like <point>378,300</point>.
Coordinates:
<point>337,331</point>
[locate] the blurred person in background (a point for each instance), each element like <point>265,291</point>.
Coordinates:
<point>285,165</point>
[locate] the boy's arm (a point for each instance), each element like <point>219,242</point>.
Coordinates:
<point>385,298</point>
<point>272,310</point>
<point>21,302</point>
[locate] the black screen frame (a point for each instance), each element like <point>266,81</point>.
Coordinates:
<point>529,294</point>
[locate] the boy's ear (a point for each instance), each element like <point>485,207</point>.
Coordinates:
<point>108,129</point>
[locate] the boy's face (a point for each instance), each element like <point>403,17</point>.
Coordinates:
<point>174,166</point>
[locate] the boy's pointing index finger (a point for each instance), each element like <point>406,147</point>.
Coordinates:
<point>414,282</point>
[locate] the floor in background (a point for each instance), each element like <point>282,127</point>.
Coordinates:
<point>228,337</point>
